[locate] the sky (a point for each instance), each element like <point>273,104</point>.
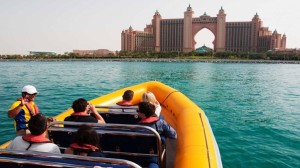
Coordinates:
<point>64,25</point>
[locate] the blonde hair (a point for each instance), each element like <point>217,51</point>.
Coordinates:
<point>149,97</point>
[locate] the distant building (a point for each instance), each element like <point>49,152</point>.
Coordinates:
<point>41,53</point>
<point>179,34</point>
<point>99,52</point>
<point>137,40</point>
<point>286,51</point>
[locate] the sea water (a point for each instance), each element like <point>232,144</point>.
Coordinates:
<point>253,109</point>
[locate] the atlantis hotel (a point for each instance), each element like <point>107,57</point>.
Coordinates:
<point>178,34</point>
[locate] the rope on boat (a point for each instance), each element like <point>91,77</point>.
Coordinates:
<point>168,96</point>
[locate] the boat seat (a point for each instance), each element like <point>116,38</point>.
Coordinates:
<point>120,114</point>
<point>115,117</point>
<point>136,143</point>
<point>31,159</point>
<point>118,108</point>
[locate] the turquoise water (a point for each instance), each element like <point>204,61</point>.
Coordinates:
<point>254,109</point>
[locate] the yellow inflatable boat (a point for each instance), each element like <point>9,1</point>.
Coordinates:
<point>195,145</point>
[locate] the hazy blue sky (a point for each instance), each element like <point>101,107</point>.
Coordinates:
<point>63,25</point>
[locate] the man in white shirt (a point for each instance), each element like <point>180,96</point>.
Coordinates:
<point>37,140</point>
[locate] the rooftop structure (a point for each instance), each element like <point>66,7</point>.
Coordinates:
<point>41,53</point>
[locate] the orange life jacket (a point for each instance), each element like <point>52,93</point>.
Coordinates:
<point>35,139</point>
<point>84,147</point>
<point>149,120</point>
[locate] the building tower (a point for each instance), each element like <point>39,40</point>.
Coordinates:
<point>123,43</point>
<point>276,40</point>
<point>254,32</point>
<point>156,30</point>
<point>127,40</point>
<point>283,42</point>
<point>221,31</point>
<point>188,29</point>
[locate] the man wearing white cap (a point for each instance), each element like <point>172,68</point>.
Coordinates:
<point>22,109</point>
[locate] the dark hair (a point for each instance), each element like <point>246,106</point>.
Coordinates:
<point>24,94</point>
<point>79,105</point>
<point>147,108</point>
<point>128,95</point>
<point>86,135</point>
<point>37,124</point>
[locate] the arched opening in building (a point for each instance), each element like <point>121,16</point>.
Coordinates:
<point>204,37</point>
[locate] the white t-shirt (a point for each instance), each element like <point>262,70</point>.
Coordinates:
<point>157,110</point>
<point>19,144</point>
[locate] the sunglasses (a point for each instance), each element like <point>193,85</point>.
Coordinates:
<point>34,94</point>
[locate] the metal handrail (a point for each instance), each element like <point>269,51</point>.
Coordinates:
<point>118,107</point>
<point>59,156</point>
<point>118,112</point>
<point>114,132</point>
<point>117,131</point>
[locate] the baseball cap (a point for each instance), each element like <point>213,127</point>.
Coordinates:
<point>29,89</point>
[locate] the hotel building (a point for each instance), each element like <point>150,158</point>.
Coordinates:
<point>179,34</point>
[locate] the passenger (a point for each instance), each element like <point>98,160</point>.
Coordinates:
<point>36,140</point>
<point>81,112</point>
<point>122,106</point>
<point>150,97</point>
<point>127,98</point>
<point>146,112</point>
<point>85,143</point>
<point>23,109</point>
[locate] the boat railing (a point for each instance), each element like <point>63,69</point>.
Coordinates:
<point>33,159</point>
<point>136,143</point>
<point>119,114</point>
<point>119,108</point>
<point>117,117</point>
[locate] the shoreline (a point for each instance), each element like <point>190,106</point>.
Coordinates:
<point>159,60</point>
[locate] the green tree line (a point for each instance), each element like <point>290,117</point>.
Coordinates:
<point>164,54</point>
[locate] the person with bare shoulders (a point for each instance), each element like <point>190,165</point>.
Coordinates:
<point>126,105</point>
<point>85,143</point>
<point>23,109</point>
<point>37,139</point>
<point>127,98</point>
<point>81,109</point>
<point>150,97</point>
